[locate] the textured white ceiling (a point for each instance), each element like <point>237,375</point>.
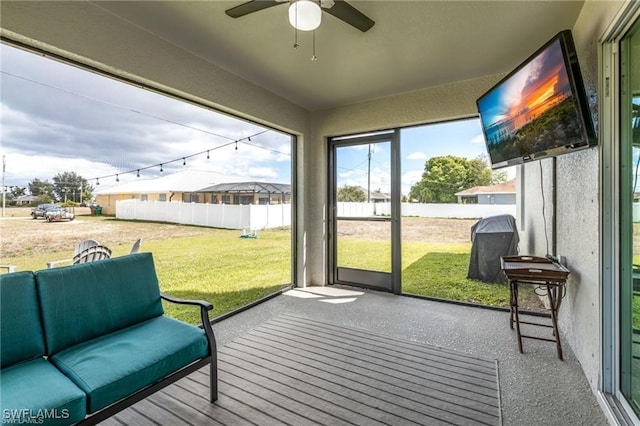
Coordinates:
<point>413,45</point>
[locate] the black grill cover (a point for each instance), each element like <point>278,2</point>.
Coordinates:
<point>492,238</point>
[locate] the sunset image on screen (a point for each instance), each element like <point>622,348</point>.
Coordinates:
<point>531,111</point>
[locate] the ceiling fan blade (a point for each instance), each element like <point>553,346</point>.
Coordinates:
<point>250,7</point>
<point>349,14</point>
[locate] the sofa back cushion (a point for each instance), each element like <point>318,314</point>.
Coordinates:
<point>21,335</point>
<point>88,300</point>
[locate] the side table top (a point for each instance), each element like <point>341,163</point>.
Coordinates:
<point>533,268</point>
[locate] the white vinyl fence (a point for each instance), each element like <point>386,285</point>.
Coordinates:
<point>249,217</point>
<point>252,216</point>
<point>458,211</point>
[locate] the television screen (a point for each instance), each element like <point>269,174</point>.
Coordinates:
<point>540,109</point>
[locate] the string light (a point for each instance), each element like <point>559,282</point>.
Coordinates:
<point>184,159</point>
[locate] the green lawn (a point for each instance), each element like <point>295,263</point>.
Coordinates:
<point>218,266</point>
<point>429,269</point>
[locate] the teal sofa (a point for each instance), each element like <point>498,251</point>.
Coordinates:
<point>80,343</point>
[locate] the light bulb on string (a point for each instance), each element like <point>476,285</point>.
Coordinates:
<point>97,181</point>
<point>117,178</point>
<point>184,161</point>
<point>161,170</point>
<point>207,154</point>
<point>138,174</point>
<point>236,145</point>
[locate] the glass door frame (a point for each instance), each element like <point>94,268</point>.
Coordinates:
<point>379,278</point>
<point>610,117</point>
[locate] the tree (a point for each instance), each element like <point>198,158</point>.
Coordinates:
<point>39,188</point>
<point>17,191</point>
<point>351,193</point>
<point>444,176</point>
<point>69,186</point>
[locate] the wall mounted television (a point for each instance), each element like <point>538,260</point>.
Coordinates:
<point>538,110</point>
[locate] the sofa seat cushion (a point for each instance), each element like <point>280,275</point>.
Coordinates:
<point>36,388</point>
<point>111,367</point>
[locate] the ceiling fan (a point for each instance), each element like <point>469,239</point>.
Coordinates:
<point>338,8</point>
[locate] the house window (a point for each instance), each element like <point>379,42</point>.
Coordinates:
<point>162,197</point>
<point>144,197</point>
<point>226,199</point>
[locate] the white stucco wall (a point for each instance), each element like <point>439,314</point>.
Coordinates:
<point>577,208</point>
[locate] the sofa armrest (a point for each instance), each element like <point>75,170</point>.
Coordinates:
<point>202,303</point>
<point>205,307</point>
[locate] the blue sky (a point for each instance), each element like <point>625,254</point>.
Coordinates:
<point>462,138</point>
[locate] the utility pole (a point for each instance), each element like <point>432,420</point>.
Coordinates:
<point>369,176</point>
<point>4,188</point>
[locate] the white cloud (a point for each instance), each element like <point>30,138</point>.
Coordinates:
<point>262,173</point>
<point>409,179</point>
<point>129,128</point>
<point>478,139</point>
<point>417,156</point>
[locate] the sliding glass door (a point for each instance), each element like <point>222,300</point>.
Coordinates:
<point>630,217</point>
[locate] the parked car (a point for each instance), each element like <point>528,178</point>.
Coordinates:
<point>41,209</point>
<point>58,213</point>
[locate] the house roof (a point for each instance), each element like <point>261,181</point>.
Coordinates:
<point>250,187</point>
<point>378,195</point>
<point>183,181</point>
<point>508,187</point>
<point>27,198</point>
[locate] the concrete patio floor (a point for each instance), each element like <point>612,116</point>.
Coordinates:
<point>536,387</point>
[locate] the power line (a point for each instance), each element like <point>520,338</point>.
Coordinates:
<point>245,140</point>
<point>116,105</point>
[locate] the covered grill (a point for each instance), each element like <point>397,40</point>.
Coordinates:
<point>492,238</point>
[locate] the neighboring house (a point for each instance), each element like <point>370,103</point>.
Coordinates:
<point>248,193</point>
<point>501,193</point>
<point>182,186</point>
<point>25,199</point>
<point>378,196</point>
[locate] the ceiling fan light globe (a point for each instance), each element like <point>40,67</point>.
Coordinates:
<point>305,15</point>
